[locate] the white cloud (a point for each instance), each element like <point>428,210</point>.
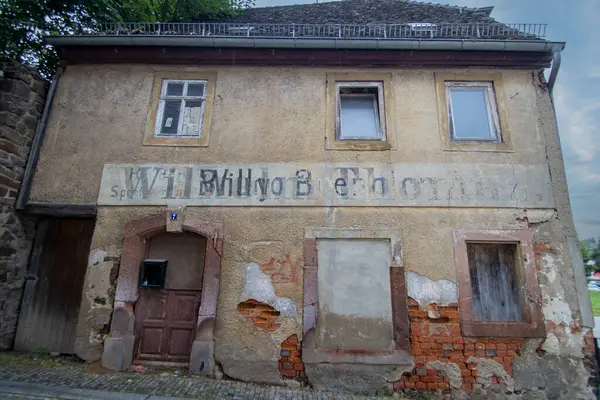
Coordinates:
<point>578,124</point>
<point>591,177</point>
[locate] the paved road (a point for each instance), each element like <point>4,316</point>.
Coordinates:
<point>24,379</point>
<point>10,390</point>
<point>36,391</point>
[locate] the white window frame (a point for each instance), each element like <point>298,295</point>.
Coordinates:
<point>491,106</point>
<point>379,104</point>
<point>182,99</point>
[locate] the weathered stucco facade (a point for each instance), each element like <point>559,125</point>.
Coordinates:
<point>264,115</point>
<point>241,228</point>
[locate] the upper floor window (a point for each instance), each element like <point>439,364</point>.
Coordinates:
<point>181,108</point>
<point>360,111</point>
<point>472,111</point>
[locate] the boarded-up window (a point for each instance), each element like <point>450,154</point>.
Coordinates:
<point>494,281</point>
<point>354,292</point>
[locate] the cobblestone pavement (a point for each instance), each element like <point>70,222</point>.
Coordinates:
<point>75,380</point>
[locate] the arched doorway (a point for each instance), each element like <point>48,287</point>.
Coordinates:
<point>172,322</point>
<point>167,309</point>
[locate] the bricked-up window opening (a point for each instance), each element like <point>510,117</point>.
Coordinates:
<point>181,108</point>
<point>360,111</point>
<point>493,269</point>
<point>153,273</point>
<point>472,111</point>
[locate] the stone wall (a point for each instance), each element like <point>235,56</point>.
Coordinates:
<point>22,97</point>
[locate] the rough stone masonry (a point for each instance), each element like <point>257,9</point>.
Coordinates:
<point>22,97</point>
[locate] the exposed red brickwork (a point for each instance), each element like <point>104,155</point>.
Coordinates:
<point>589,342</point>
<point>290,363</point>
<point>440,339</point>
<point>262,315</point>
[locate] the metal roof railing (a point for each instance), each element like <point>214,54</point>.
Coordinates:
<point>329,31</point>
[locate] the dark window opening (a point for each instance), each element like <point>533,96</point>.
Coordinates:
<point>495,281</point>
<point>153,273</point>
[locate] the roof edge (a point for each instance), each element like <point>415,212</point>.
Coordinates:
<point>311,43</point>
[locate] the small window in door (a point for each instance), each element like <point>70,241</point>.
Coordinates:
<point>494,270</point>
<point>153,273</point>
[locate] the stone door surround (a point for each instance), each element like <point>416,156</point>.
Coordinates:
<point>118,347</point>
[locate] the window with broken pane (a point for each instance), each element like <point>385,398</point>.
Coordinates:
<point>181,108</point>
<point>360,111</point>
<point>472,111</point>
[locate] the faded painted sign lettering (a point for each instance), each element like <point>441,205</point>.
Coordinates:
<point>320,184</point>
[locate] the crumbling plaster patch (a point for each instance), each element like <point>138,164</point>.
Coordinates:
<point>255,355</point>
<point>426,291</point>
<point>539,216</point>
<point>98,296</point>
<point>450,370</point>
<point>96,256</point>
<point>259,287</point>
<point>487,369</point>
<point>551,344</point>
<point>561,377</point>
<point>571,345</point>
<point>556,309</point>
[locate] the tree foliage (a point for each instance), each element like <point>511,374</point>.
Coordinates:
<point>180,10</point>
<point>24,23</point>
<point>590,249</point>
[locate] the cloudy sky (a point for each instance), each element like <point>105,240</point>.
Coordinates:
<point>577,92</point>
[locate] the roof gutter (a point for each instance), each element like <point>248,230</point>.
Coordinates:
<point>310,43</point>
<point>554,71</point>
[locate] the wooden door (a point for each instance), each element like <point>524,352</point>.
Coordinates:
<point>52,295</point>
<point>165,324</point>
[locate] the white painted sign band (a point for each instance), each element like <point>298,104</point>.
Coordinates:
<point>322,184</point>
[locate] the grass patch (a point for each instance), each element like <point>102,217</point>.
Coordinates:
<point>17,358</point>
<point>595,298</point>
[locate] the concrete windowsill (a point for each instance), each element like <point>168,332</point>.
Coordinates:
<point>312,355</point>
